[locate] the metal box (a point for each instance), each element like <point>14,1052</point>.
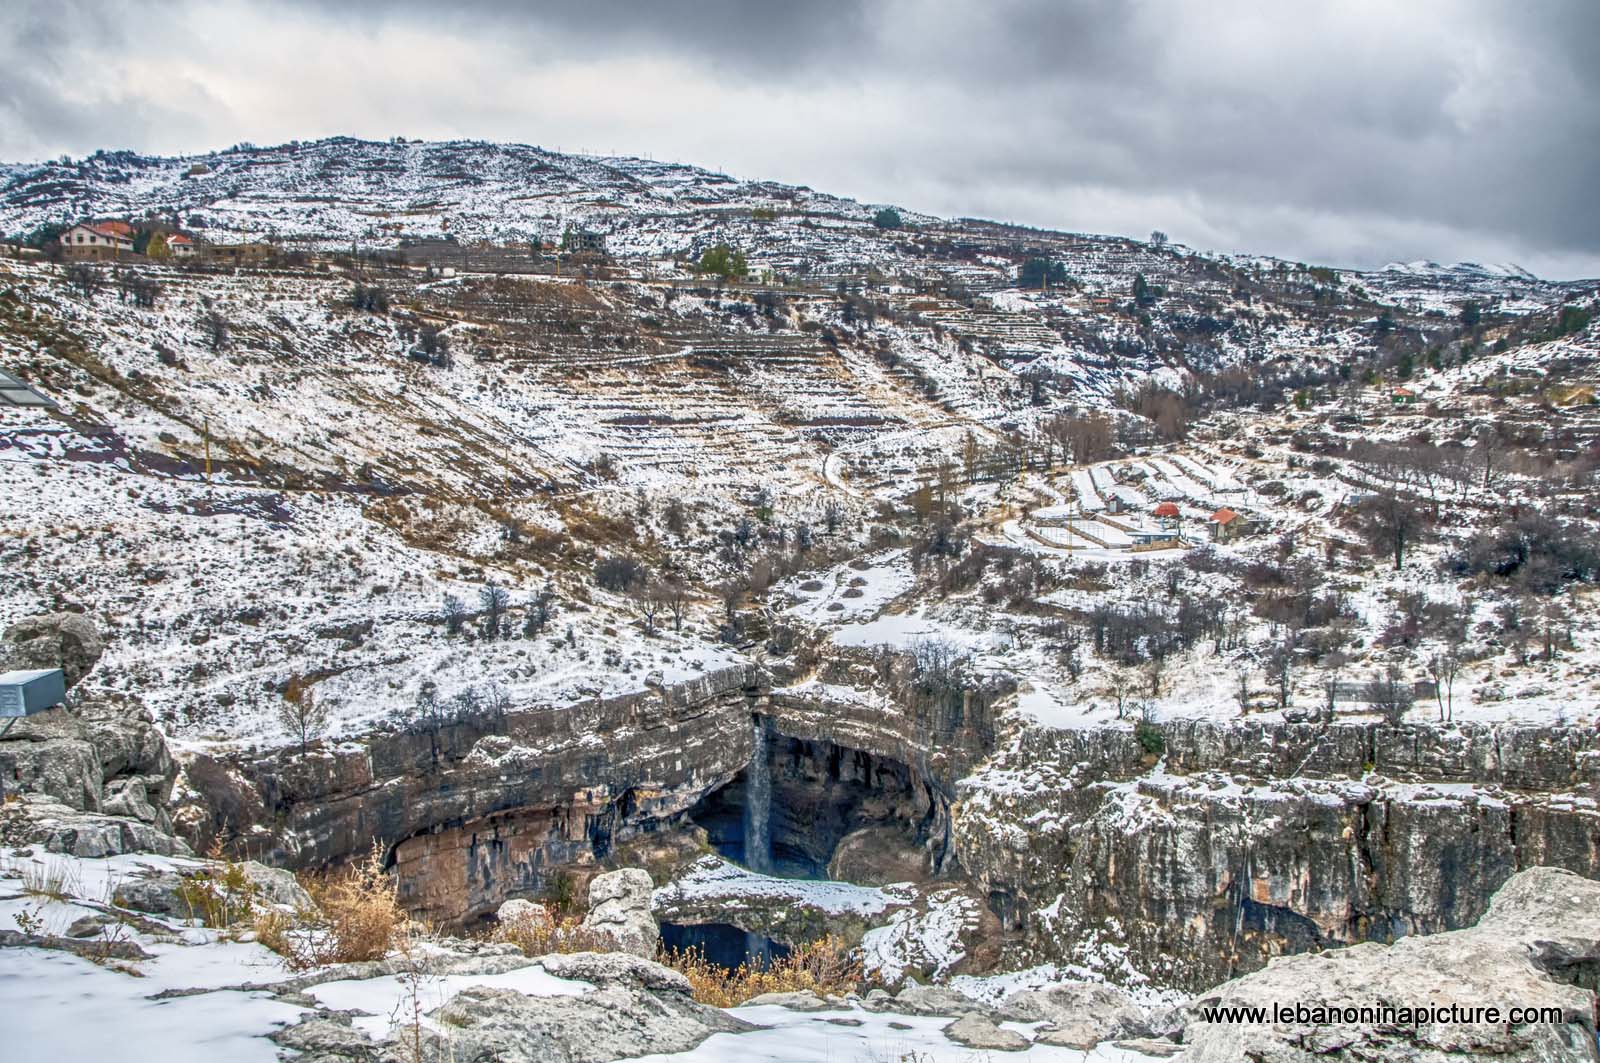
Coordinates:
<point>25,693</point>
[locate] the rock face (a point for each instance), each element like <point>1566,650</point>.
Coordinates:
<point>619,907</point>
<point>1255,841</point>
<point>473,818</point>
<point>1538,946</point>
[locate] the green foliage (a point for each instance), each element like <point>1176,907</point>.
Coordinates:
<point>887,218</point>
<point>1471,314</point>
<point>1302,399</point>
<point>1143,294</point>
<point>220,896</point>
<point>1573,319</point>
<point>764,214</point>
<point>723,261</point>
<point>40,236</point>
<point>156,246</point>
<point>1151,740</point>
<point>1035,271</point>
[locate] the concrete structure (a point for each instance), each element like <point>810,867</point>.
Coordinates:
<point>32,691</point>
<point>94,241</point>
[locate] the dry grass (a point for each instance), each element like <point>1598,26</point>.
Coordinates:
<point>537,933</point>
<point>825,967</point>
<point>55,880</point>
<point>355,916</point>
<point>221,896</point>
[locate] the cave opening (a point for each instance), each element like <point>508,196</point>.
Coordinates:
<point>830,812</point>
<point>723,945</point>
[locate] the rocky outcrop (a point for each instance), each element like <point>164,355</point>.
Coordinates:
<point>1077,1014</point>
<point>100,757</point>
<point>475,814</point>
<point>619,908</point>
<point>1254,841</point>
<point>625,1007</point>
<point>1537,946</point>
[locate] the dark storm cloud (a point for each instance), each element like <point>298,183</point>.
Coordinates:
<point>1356,132</point>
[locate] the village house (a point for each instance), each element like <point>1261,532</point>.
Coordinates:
<point>240,254</point>
<point>94,241</point>
<point>1226,525</point>
<point>180,246</point>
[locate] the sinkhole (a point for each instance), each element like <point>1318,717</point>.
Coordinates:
<point>813,809</point>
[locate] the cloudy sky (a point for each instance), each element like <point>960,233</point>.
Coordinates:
<point>1353,132</point>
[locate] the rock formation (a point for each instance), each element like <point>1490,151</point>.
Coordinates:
<point>619,908</point>
<point>96,776</point>
<point>1537,946</point>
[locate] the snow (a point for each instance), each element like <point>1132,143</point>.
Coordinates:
<point>930,939</point>
<point>393,1000</point>
<point>715,879</point>
<point>819,1037</point>
<point>906,630</point>
<point>69,1009</point>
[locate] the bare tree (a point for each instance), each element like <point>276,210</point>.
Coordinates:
<point>1442,669</point>
<point>86,278</point>
<point>651,599</point>
<point>1153,671</point>
<point>677,599</point>
<point>301,713</point>
<point>1390,524</point>
<point>1391,696</point>
<point>1120,685</point>
<point>1241,691</point>
<point>1280,670</point>
<point>539,612</point>
<point>455,614</point>
<point>493,599</point>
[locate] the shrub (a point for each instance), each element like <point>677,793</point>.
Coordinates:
<point>354,916</point>
<point>824,966</point>
<point>887,218</point>
<point>618,573</point>
<point>537,933</point>
<point>220,896</point>
<point>1151,740</point>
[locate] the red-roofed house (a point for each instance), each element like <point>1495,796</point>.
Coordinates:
<point>97,240</point>
<point>180,246</point>
<point>1226,525</point>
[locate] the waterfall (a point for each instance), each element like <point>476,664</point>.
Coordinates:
<point>758,803</point>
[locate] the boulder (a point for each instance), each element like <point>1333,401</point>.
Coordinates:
<point>616,1020</point>
<point>977,1032</point>
<point>803,1000</point>
<point>60,828</point>
<point>55,640</point>
<point>619,907</point>
<point>916,999</point>
<point>276,886</point>
<point>518,910</point>
<point>1542,928</point>
<point>1080,1014</point>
